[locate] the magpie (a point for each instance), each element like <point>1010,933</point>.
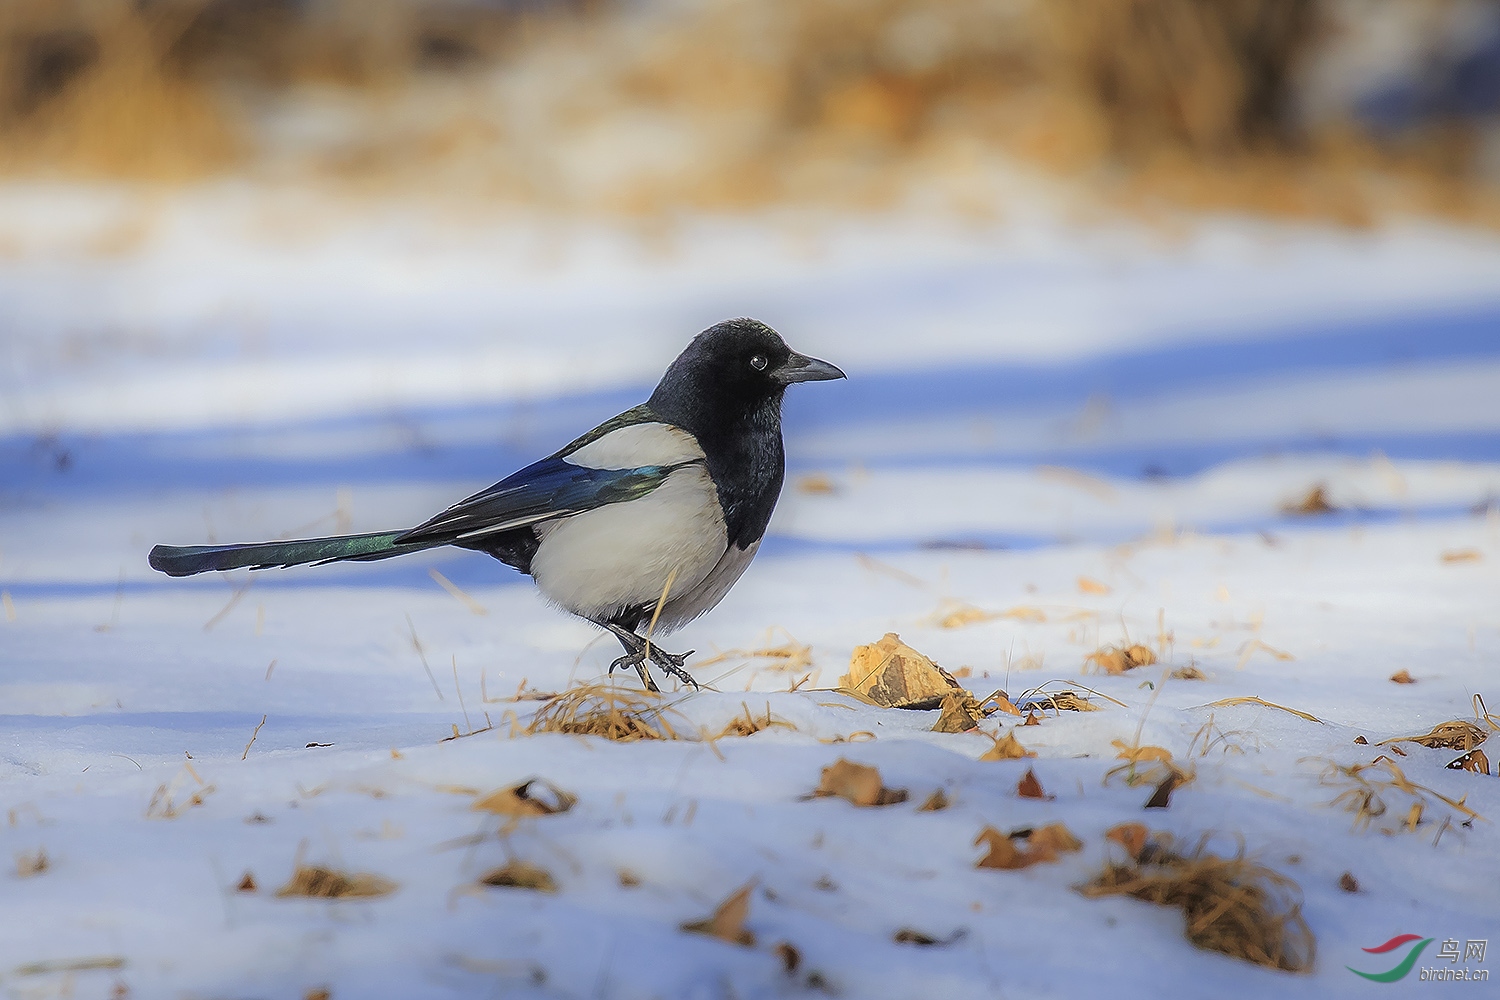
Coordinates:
<point>646,520</point>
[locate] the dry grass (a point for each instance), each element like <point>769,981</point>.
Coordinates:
<point>853,102</point>
<point>317,882</point>
<point>627,714</point>
<point>1230,905</point>
<point>1370,790</point>
<point>621,714</point>
<point>1255,700</point>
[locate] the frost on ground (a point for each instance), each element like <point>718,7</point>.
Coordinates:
<point>1285,495</point>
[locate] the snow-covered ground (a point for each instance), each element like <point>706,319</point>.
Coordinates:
<point>1095,429</point>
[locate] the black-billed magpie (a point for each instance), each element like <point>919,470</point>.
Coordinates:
<point>656,511</point>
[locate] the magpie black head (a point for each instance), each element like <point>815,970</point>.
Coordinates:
<point>733,371</point>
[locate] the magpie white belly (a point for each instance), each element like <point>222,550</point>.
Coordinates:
<point>619,556</point>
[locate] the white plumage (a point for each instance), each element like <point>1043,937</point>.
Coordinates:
<point>620,555</point>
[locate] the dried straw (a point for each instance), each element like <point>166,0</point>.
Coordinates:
<point>1230,905</point>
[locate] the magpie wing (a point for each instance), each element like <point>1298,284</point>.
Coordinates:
<point>540,492</point>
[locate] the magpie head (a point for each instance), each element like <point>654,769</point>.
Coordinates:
<point>731,370</point>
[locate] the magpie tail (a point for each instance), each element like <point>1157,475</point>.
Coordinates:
<point>185,560</point>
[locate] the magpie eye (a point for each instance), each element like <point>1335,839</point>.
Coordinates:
<point>758,362</point>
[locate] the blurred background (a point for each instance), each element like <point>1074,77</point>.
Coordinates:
<point>1342,110</point>
<point>312,245</point>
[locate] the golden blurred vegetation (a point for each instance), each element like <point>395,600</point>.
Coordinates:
<point>715,104</point>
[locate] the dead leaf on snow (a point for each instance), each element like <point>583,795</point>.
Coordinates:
<point>910,935</point>
<point>728,921</point>
<point>1403,676</point>
<point>957,716</point>
<point>1314,502</point>
<point>856,783</point>
<point>791,958</point>
<point>1030,788</point>
<point>1043,844</point>
<point>894,675</point>
<point>1006,747</point>
<point>1131,836</point>
<point>1162,797</point>
<point>1118,659</point>
<point>1089,585</point>
<point>533,797</point>
<point>998,702</point>
<point>935,802</point>
<point>1475,760</point>
<point>516,874</point>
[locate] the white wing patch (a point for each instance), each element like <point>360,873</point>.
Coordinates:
<point>637,445</point>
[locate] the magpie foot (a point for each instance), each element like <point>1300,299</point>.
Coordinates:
<point>636,659</point>
<point>672,663</point>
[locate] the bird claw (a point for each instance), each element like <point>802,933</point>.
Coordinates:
<point>635,659</point>
<point>672,663</point>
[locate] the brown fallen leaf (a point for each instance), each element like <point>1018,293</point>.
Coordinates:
<point>1403,676</point>
<point>1043,844</point>
<point>628,879</point>
<point>1140,754</point>
<point>816,484</point>
<point>1131,836</point>
<point>533,797</point>
<point>893,675</point>
<point>1032,719</point>
<point>516,874</point>
<point>998,702</point>
<point>1089,585</point>
<point>856,783</point>
<point>727,923</point>
<point>1462,555</point>
<point>1118,659</point>
<point>910,935</point>
<point>791,958</point>
<point>1314,502</point>
<point>1189,674</point>
<point>1361,741</point>
<point>1030,788</point>
<point>1348,882</point>
<point>1006,747</point>
<point>935,802</point>
<point>32,863</point>
<point>956,717</point>
<point>1162,797</point>
<point>1475,760</point>
<point>247,883</point>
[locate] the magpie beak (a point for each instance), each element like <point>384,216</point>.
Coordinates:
<point>801,368</point>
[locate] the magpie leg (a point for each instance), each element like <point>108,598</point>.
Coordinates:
<point>635,654</point>
<point>637,650</point>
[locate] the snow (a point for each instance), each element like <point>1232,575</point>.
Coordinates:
<point>1031,404</point>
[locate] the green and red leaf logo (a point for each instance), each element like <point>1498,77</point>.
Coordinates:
<point>1401,968</point>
